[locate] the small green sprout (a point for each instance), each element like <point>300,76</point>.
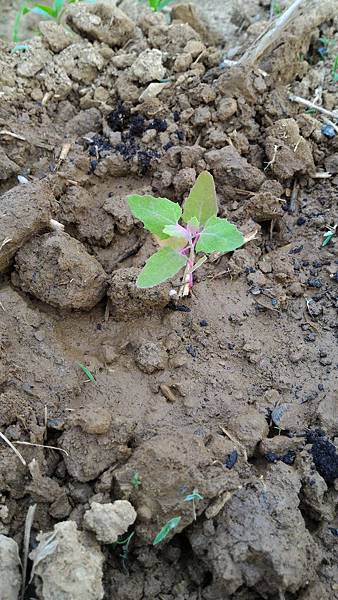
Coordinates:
<point>136,481</point>
<point>87,372</point>
<point>335,69</point>
<point>276,8</point>
<point>194,497</point>
<point>171,524</point>
<point>53,12</point>
<point>328,235</point>
<point>156,5</point>
<point>201,232</point>
<point>125,550</point>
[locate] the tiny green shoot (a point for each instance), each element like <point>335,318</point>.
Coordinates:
<point>328,235</point>
<point>136,481</point>
<point>194,497</point>
<point>87,372</point>
<point>171,524</point>
<point>157,5</point>
<point>201,232</point>
<point>125,550</point>
<point>276,8</point>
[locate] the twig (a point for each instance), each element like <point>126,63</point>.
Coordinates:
<point>265,40</point>
<point>13,135</point>
<point>27,534</point>
<point>309,104</point>
<point>13,448</point>
<point>41,446</point>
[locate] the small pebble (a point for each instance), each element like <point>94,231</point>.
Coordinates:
<point>314,282</point>
<point>301,221</point>
<point>310,337</point>
<point>231,459</point>
<point>203,323</point>
<point>191,350</point>
<point>328,131</point>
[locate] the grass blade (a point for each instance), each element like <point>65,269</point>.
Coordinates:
<point>87,372</point>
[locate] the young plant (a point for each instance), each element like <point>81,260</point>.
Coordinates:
<point>201,232</point>
<point>124,556</point>
<point>194,497</point>
<point>53,12</point>
<point>156,5</point>
<point>89,374</point>
<point>328,235</point>
<point>136,481</point>
<point>171,524</point>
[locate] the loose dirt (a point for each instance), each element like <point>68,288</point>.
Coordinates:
<point>231,392</point>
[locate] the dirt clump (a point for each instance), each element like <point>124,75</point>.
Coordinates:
<point>87,460</point>
<point>10,581</point>
<point>109,521</point>
<point>244,543</point>
<point>25,211</point>
<point>56,269</point>
<point>288,152</point>
<point>181,463</point>
<point>102,22</point>
<point>72,567</point>
<point>128,301</point>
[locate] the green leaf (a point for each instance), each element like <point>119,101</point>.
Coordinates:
<point>328,237</point>
<point>202,201</point>
<point>219,235</point>
<point>44,11</point>
<point>171,524</point>
<point>194,496</point>
<point>87,372</point>
<point>58,6</point>
<point>160,267</point>
<point>176,231</point>
<point>155,213</point>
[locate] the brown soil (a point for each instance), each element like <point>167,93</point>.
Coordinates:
<point>232,392</point>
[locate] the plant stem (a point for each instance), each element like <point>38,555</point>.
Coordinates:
<point>186,285</point>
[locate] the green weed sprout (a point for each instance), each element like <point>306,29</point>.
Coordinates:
<point>136,481</point>
<point>328,235</point>
<point>201,232</point>
<point>171,524</point>
<point>125,549</point>
<point>87,372</point>
<point>194,497</point>
<point>53,12</point>
<point>156,5</point>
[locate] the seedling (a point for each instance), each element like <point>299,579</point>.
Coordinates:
<point>276,8</point>
<point>171,524</point>
<point>156,5</point>
<point>88,373</point>
<point>53,12</point>
<point>136,481</point>
<point>328,235</point>
<point>124,556</point>
<point>201,232</point>
<point>194,497</point>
